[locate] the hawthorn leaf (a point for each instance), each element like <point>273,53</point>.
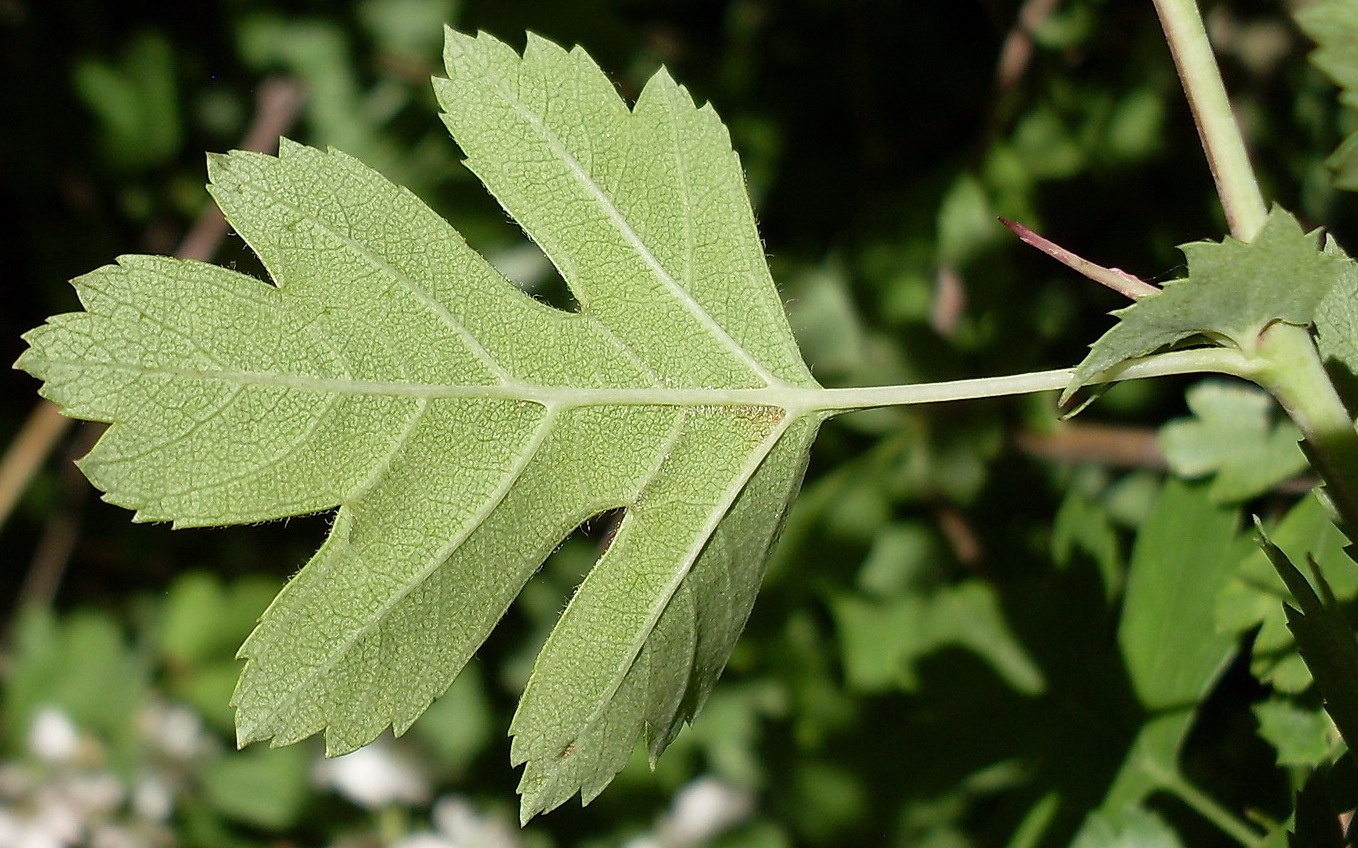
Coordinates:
<point>1333,26</point>
<point>461,429</point>
<point>1234,436</point>
<point>1172,652</point>
<point>1325,638</point>
<point>1134,827</point>
<point>1337,324</point>
<point>1253,597</point>
<point>882,640</point>
<point>1302,736</point>
<point>1230,295</point>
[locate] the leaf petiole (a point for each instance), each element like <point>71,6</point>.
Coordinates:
<point>1192,361</point>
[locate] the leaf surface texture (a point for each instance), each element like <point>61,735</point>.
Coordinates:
<point>461,429</point>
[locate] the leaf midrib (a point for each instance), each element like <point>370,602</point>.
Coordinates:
<point>797,400</point>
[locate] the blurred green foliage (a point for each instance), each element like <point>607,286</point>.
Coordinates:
<point>960,643</point>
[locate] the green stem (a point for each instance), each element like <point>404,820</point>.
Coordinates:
<point>1221,138</point>
<point>1289,367</point>
<point>1197,360</point>
<point>1207,807</point>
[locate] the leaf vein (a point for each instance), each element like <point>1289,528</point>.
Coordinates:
<point>342,647</point>
<point>662,601</point>
<point>633,239</point>
<point>438,308</point>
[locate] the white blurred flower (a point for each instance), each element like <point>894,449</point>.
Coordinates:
<point>112,836</point>
<point>49,819</point>
<point>56,811</point>
<point>52,736</point>
<point>64,798</point>
<point>174,730</point>
<point>462,826</point>
<point>95,793</point>
<point>153,799</point>
<point>702,810</point>
<point>375,776</point>
<point>423,840</point>
<point>20,833</point>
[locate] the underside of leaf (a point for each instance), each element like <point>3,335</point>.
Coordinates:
<point>461,429</point>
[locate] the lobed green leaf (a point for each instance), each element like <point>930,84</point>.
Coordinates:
<point>1333,26</point>
<point>461,429</point>
<point>1254,595</point>
<point>1234,437</point>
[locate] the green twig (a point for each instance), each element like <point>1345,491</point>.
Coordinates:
<point>1221,138</point>
<point>1291,370</point>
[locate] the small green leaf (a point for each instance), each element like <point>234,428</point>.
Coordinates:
<point>264,787</point>
<point>1253,597</point>
<point>903,558</point>
<point>882,640</point>
<point>1136,827</point>
<point>1302,736</point>
<point>1333,26</point>
<point>1084,524</point>
<point>1325,638</point>
<point>204,621</point>
<point>136,102</point>
<point>1344,163</point>
<point>1233,291</point>
<point>1172,651</point>
<point>1235,436</point>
